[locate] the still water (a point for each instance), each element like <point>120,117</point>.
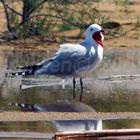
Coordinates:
<point>102,92</point>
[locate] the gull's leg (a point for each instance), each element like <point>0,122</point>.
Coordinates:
<point>63,83</point>
<point>74,87</point>
<point>81,84</point>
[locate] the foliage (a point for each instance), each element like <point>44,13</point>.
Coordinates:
<point>42,17</point>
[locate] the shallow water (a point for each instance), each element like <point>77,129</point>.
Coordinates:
<point>102,92</point>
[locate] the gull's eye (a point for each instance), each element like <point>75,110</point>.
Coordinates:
<point>91,29</point>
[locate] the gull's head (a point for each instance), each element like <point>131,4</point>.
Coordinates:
<point>94,33</point>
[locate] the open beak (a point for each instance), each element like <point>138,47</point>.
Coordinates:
<point>102,31</point>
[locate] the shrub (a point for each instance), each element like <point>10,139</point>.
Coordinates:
<point>40,17</point>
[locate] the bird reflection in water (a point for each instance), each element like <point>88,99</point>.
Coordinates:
<point>65,125</point>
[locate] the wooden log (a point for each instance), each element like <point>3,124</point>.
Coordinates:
<point>91,135</point>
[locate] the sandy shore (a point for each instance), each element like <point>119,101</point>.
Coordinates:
<point>49,116</point>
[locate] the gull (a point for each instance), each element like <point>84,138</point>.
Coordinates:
<point>72,60</point>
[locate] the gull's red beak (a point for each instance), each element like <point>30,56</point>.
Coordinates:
<point>98,37</point>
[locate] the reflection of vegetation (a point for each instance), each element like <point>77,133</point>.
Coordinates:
<point>118,124</point>
<point>27,126</point>
<point>116,100</point>
<point>2,100</point>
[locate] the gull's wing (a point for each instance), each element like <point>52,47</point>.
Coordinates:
<point>63,62</point>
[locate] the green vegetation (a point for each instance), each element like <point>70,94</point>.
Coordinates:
<point>45,17</point>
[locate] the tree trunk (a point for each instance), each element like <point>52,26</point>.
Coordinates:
<point>7,16</point>
<point>27,6</point>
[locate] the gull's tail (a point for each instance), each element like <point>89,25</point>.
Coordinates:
<point>20,73</point>
<point>29,70</point>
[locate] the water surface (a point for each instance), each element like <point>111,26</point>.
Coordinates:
<point>102,92</point>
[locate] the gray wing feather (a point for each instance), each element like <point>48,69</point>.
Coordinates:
<point>63,61</point>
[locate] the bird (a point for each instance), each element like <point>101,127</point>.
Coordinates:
<point>71,60</point>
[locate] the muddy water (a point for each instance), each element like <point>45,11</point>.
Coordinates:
<point>102,92</point>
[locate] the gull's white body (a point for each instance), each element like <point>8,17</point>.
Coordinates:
<point>69,51</point>
<point>73,60</point>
